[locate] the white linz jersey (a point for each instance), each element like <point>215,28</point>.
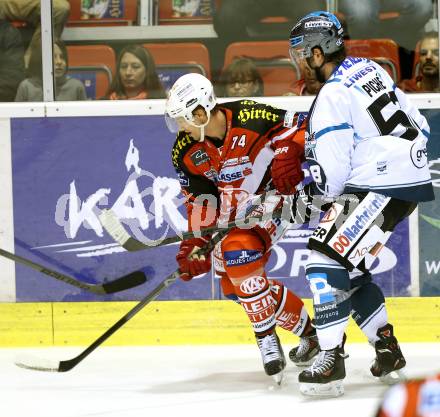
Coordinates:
<point>365,135</point>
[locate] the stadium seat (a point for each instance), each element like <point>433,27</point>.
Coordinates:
<point>416,62</point>
<point>125,14</point>
<point>176,59</point>
<point>384,51</point>
<point>272,60</point>
<point>94,66</point>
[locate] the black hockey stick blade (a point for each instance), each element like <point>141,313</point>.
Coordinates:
<point>40,364</point>
<point>120,284</point>
<point>36,364</point>
<point>133,279</point>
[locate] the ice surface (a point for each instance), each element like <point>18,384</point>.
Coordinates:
<point>187,381</point>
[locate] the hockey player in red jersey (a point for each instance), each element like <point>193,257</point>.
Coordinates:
<point>413,398</point>
<point>224,155</point>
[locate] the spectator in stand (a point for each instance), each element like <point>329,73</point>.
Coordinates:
<point>136,77</point>
<point>428,78</point>
<point>364,23</point>
<point>243,20</point>
<point>240,79</point>
<point>413,398</point>
<point>29,11</point>
<point>11,61</point>
<point>66,88</point>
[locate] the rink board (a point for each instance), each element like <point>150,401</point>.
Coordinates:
<point>61,163</point>
<point>415,319</point>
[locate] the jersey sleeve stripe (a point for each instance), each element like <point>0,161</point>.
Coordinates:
<point>284,135</point>
<point>332,129</point>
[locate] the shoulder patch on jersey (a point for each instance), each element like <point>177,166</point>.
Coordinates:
<point>199,157</point>
<point>183,179</point>
<point>310,143</point>
<point>288,118</point>
<point>302,116</point>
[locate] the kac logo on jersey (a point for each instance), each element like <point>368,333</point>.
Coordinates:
<point>241,257</point>
<point>253,285</point>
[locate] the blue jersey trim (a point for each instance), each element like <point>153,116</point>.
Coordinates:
<point>322,132</point>
<point>417,193</point>
<point>331,324</point>
<point>371,317</point>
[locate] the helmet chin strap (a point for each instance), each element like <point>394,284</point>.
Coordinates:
<point>202,127</point>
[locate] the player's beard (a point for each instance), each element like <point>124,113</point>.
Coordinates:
<point>319,73</point>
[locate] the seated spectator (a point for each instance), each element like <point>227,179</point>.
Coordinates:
<point>364,23</point>
<point>245,20</point>
<point>413,398</point>
<point>11,61</point>
<point>29,11</point>
<point>66,88</point>
<point>136,77</point>
<point>427,79</point>
<point>240,79</point>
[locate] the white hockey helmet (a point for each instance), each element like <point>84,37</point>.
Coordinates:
<point>187,93</point>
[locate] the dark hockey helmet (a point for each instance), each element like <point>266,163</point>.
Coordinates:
<point>317,29</point>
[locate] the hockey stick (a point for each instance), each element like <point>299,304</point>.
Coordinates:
<point>117,231</point>
<point>38,364</point>
<point>130,280</point>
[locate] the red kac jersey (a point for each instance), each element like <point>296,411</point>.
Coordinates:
<point>237,166</point>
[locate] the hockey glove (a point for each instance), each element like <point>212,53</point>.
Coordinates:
<point>286,166</point>
<point>306,205</point>
<point>190,264</point>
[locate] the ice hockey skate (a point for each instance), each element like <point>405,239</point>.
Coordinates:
<point>325,376</point>
<point>272,355</point>
<point>308,348</point>
<point>389,358</point>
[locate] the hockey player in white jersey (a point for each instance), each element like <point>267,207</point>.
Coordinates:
<point>366,148</point>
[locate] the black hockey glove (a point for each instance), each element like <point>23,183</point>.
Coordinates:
<point>307,205</point>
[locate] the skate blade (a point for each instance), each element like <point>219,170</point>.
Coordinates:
<point>331,389</point>
<point>278,378</point>
<point>393,377</point>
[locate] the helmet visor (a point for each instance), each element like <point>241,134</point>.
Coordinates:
<point>299,54</point>
<point>171,123</point>
<point>180,123</point>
